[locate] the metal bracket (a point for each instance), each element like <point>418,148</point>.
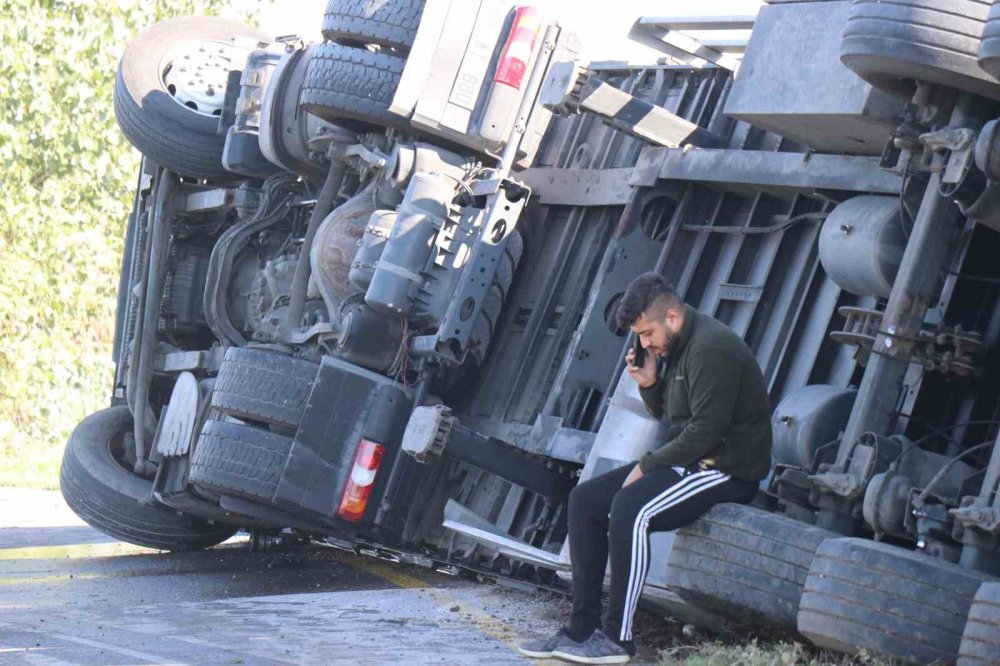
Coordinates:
<point>427,432</point>
<point>958,146</point>
<point>220,198</point>
<point>291,42</point>
<point>869,456</point>
<point>502,212</point>
<point>372,157</point>
<point>948,350</point>
<point>986,518</point>
<point>337,142</point>
<point>843,484</point>
<point>322,330</point>
<point>200,362</point>
<point>948,138</point>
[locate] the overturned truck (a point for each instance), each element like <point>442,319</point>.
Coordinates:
<point>369,292</point>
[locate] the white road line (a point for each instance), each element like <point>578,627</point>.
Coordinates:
<point>100,645</point>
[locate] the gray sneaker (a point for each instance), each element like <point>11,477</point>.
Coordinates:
<point>543,648</point>
<point>598,649</point>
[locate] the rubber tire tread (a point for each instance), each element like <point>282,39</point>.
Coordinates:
<point>115,501</point>
<point>509,261</point>
<point>866,595</point>
<point>352,87</point>
<point>263,386</point>
<point>745,564</point>
<point>989,46</point>
<point>981,637</point>
<point>889,44</point>
<point>240,460</point>
<point>489,313</point>
<point>157,126</point>
<point>391,23</point>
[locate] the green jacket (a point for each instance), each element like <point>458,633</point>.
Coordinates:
<point>711,388</point>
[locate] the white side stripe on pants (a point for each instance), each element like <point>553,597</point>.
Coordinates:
<point>675,494</point>
<point>694,481</point>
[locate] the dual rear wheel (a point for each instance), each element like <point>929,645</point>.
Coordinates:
<point>846,594</point>
<point>171,81</point>
<point>894,45</point>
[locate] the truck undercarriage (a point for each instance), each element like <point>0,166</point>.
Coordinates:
<point>369,295</point>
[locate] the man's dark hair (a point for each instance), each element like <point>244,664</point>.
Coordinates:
<point>649,294</point>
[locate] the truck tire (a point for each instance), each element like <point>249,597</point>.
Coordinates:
<point>744,564</point>
<point>508,263</point>
<point>482,331</point>
<point>980,644</point>
<point>114,500</point>
<point>390,23</point>
<point>489,313</point>
<point>989,47</point>
<point>162,123</point>
<point>352,87</point>
<point>891,45</point>
<point>239,460</point>
<point>886,600</point>
<point>263,386</point>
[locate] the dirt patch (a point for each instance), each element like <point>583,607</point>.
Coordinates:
<point>659,640</point>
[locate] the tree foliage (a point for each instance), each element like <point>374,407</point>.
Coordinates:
<point>67,177</point>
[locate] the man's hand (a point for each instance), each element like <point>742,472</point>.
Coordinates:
<point>633,476</point>
<point>644,376</point>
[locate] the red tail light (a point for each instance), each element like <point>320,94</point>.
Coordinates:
<point>517,50</point>
<point>359,485</point>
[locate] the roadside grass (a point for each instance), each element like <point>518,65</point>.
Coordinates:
<point>760,653</point>
<point>69,176</point>
<point>668,641</point>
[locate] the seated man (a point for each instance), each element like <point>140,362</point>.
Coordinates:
<point>697,372</point>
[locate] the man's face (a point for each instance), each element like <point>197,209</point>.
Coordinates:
<point>659,335</point>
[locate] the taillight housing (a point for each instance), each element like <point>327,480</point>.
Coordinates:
<point>517,51</point>
<point>359,484</point>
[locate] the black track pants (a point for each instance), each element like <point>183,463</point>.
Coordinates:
<point>601,510</point>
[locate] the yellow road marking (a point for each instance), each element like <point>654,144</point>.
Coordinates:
<point>85,550</point>
<point>386,572</point>
<point>78,551</point>
<point>40,580</point>
<point>482,620</point>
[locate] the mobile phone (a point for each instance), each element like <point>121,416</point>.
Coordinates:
<point>639,359</point>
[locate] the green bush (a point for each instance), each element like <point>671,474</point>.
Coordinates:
<point>67,177</point>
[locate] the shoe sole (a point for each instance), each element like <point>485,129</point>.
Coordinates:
<point>578,659</point>
<point>535,655</point>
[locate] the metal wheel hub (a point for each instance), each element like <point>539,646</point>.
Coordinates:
<point>195,73</point>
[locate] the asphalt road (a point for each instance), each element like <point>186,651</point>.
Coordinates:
<point>71,596</point>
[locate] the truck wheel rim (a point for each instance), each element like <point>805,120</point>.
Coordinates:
<point>194,73</point>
